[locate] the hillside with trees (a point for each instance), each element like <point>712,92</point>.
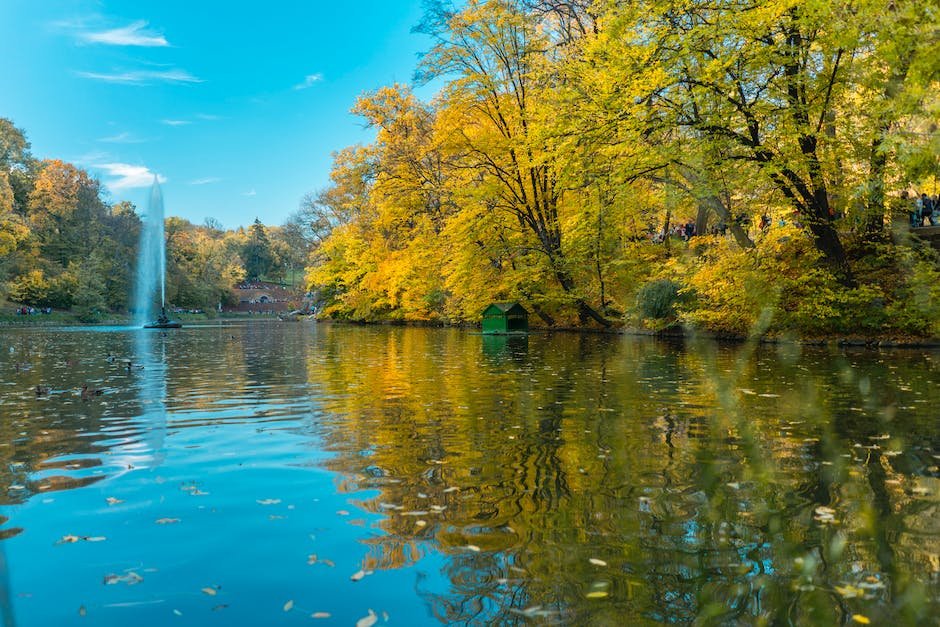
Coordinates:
<point>64,246</point>
<point>570,138</point>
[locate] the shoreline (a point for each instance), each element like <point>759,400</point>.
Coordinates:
<point>40,321</point>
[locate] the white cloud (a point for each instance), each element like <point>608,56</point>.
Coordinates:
<point>122,138</point>
<point>250,193</point>
<point>134,34</point>
<point>143,77</point>
<point>128,176</point>
<point>176,122</point>
<point>309,81</point>
<point>206,181</point>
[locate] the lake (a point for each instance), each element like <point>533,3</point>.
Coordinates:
<point>261,473</point>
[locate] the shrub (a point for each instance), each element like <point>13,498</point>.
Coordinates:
<point>657,299</point>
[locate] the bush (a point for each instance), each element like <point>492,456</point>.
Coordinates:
<point>657,300</point>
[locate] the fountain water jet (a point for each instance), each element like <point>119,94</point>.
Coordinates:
<point>151,267</point>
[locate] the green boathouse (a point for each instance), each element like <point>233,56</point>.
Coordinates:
<point>505,318</point>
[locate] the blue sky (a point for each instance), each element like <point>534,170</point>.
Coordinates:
<point>237,105</point>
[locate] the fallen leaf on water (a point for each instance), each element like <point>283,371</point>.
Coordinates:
<point>81,610</point>
<point>473,547</point>
<point>342,512</point>
<point>131,578</point>
<point>210,591</point>
<point>94,539</point>
<point>360,574</point>
<point>289,605</point>
<point>268,501</point>
<point>420,523</point>
<point>68,539</point>
<point>167,521</point>
<point>367,621</point>
<point>328,563</point>
<point>599,590</point>
<point>312,559</point>
<point>597,562</point>
<point>858,618</point>
<point>849,591</point>
<point>113,501</point>
<point>320,615</point>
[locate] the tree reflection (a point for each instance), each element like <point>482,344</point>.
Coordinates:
<point>694,473</point>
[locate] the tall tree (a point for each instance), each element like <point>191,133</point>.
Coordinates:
<point>494,52</point>
<point>257,253</point>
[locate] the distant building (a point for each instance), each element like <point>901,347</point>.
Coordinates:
<point>263,297</point>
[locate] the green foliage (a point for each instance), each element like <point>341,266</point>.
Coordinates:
<point>657,299</point>
<point>259,259</point>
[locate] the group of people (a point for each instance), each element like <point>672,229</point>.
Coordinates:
<point>923,209</point>
<point>684,231</point>
<point>28,311</point>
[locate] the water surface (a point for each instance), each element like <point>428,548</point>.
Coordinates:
<point>261,473</point>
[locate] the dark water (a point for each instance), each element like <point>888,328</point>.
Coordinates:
<point>256,474</point>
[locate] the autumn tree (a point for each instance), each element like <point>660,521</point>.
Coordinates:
<point>493,52</point>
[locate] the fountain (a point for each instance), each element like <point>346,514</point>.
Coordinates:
<point>151,267</point>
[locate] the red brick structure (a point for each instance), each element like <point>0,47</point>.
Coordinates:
<point>261,297</point>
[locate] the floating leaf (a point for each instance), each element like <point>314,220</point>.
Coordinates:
<point>268,501</point>
<point>68,539</point>
<point>82,611</point>
<point>342,512</point>
<point>131,578</point>
<point>597,562</point>
<point>367,621</point>
<point>849,591</point>
<point>113,501</point>
<point>360,574</point>
<point>312,559</point>
<point>858,618</point>
<point>599,590</point>
<point>289,605</point>
<point>320,615</point>
<point>167,521</point>
<point>210,591</point>
<point>420,523</point>
<point>473,547</point>
<point>94,538</point>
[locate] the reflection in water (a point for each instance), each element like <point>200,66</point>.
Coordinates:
<point>574,479</point>
<point>146,451</point>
